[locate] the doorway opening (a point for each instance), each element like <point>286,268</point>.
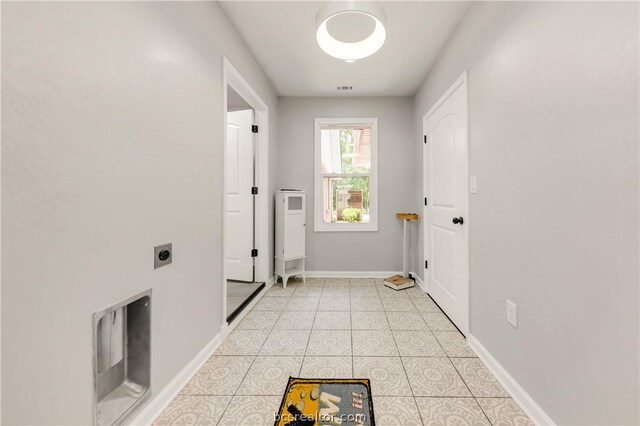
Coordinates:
<point>245,171</point>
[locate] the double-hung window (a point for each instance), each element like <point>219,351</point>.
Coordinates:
<point>346,184</point>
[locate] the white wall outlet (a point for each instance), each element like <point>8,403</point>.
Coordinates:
<point>512,313</point>
<point>473,184</point>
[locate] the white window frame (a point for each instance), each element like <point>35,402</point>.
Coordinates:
<point>319,225</point>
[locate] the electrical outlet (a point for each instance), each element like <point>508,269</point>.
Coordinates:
<point>162,255</point>
<point>512,313</point>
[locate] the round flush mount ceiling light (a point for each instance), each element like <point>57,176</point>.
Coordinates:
<point>351,30</point>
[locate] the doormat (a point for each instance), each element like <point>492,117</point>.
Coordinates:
<point>308,402</point>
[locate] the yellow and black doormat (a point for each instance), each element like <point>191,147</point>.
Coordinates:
<point>309,402</point>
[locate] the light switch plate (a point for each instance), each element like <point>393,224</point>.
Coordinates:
<point>160,255</point>
<point>512,313</point>
<point>473,184</point>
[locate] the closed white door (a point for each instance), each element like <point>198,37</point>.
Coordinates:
<point>446,219</point>
<point>238,237</point>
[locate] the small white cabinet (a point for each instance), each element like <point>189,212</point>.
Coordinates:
<point>290,235</point>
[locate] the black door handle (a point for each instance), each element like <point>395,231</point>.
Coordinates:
<point>458,220</point>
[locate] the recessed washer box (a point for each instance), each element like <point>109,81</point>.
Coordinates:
<point>122,359</point>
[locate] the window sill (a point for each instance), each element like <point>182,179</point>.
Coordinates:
<point>345,227</point>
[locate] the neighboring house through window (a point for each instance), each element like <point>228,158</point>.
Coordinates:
<point>346,185</point>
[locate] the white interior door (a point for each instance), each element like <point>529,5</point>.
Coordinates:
<point>238,241</point>
<point>446,219</point>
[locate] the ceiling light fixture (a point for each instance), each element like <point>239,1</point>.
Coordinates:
<point>350,51</point>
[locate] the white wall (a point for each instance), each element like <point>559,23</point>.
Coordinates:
<point>111,144</point>
<point>351,251</point>
<point>553,110</point>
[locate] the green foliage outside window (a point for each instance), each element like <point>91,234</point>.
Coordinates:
<point>352,215</point>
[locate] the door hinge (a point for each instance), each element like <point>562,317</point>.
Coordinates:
<point>254,252</point>
<point>254,128</point>
<point>425,201</point>
<point>425,138</point>
<point>254,190</point>
<point>426,264</point>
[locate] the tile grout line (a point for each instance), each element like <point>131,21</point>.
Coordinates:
<point>454,367</point>
<point>470,391</point>
<point>415,403</point>
<point>235,393</point>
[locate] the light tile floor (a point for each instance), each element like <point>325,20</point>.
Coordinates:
<point>420,367</point>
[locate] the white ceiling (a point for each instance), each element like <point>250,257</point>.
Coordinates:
<point>281,35</point>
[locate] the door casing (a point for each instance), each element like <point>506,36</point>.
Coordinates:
<point>231,77</point>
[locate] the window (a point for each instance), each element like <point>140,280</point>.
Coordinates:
<point>346,186</point>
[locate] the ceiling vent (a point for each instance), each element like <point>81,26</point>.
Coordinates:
<point>344,87</point>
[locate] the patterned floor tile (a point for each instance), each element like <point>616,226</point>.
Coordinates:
<point>478,377</point>
<point>415,292</point>
<point>335,292</point>
<point>308,291</point>
<point>295,320</point>
<point>286,342</point>
<point>362,282</point>
<point>271,304</point>
<point>220,375</point>
<point>251,411</point>
<point>425,304</point>
<point>364,292</point>
<point>451,411</point>
<point>417,343</point>
<point>406,321</point>
<point>259,320</point>
<point>334,304</point>
<point>373,343</point>
<point>396,411</point>
<point>366,304</point>
<point>243,342</point>
<point>278,291</point>
<point>192,410</point>
<point>314,282</point>
<point>269,375</point>
<point>336,282</point>
<point>327,367</point>
<point>504,412</point>
<point>385,291</point>
<point>302,304</point>
<point>332,321</point>
<point>369,320</point>
<point>438,322</point>
<point>442,396</point>
<point>386,374</point>
<point>434,377</point>
<point>329,343</point>
<point>398,304</point>
<point>454,344</point>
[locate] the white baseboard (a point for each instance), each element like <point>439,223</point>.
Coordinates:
<point>157,404</point>
<point>350,274</point>
<point>419,281</point>
<point>519,395</point>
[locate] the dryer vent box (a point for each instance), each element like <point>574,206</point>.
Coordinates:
<point>122,359</point>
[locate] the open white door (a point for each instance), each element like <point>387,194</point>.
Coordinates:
<point>446,219</point>
<point>238,237</point>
